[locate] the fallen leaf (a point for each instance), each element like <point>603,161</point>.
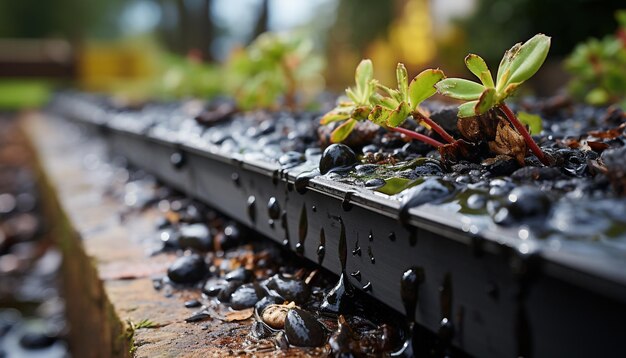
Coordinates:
<point>509,142</point>
<point>459,150</point>
<point>479,128</point>
<point>597,146</point>
<point>609,133</point>
<point>240,315</point>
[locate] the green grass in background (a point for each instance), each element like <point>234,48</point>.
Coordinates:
<point>23,93</point>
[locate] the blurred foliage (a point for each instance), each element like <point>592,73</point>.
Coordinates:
<point>503,22</point>
<point>361,21</point>
<point>274,67</point>
<point>188,77</point>
<point>60,18</point>
<point>17,93</point>
<point>598,67</point>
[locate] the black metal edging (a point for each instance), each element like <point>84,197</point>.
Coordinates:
<point>504,302</point>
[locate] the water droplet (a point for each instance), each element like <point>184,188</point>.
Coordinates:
<point>286,228</point>
<point>392,236</point>
<point>275,177</point>
<point>345,204</point>
<point>252,208</point>
<point>177,159</point>
<point>314,208</point>
<point>357,248</point>
<point>342,247</point>
<point>273,208</point>
<point>357,275</point>
<point>367,287</point>
<point>302,180</point>
<point>321,248</point>
<point>371,255</point>
<point>446,328</point>
<point>303,227</point>
<point>235,178</point>
<point>409,290</point>
<point>370,237</point>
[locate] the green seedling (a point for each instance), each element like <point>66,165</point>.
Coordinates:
<point>598,68</point>
<point>389,109</point>
<point>275,66</point>
<point>519,64</point>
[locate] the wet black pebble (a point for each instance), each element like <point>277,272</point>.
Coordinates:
<point>337,157</point>
<point>498,187</point>
<point>427,169</point>
<point>36,340</point>
<point>187,269</point>
<point>192,304</point>
<point>227,291</point>
<point>213,287</point>
<point>370,148</point>
<point>303,329</point>
<point>530,174</point>
<point>291,159</point>
<point>430,190</point>
<point>246,296</point>
<point>365,169</point>
<point>240,274</point>
<point>290,288</point>
<point>500,165</point>
<point>523,203</point>
<point>231,237</point>
<point>374,183</point>
<point>196,237</point>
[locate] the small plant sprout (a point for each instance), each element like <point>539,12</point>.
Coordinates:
<point>519,64</point>
<point>390,109</point>
<point>597,68</point>
<point>275,66</point>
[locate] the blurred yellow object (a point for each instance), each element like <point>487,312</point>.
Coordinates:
<point>410,41</point>
<point>104,66</point>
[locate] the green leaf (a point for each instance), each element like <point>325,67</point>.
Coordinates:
<point>363,76</point>
<point>423,86</point>
<point>343,131</point>
<point>334,116</point>
<point>352,95</point>
<point>597,96</point>
<point>533,121</point>
<point>389,103</point>
<point>361,113</point>
<point>394,185</point>
<point>486,101</point>
<point>526,59</point>
<point>398,115</point>
<point>479,68</point>
<point>379,115</point>
<point>403,81</point>
<point>396,95</point>
<point>508,91</point>
<point>460,88</point>
<point>503,69</point>
<point>467,109</point>
<point>386,102</point>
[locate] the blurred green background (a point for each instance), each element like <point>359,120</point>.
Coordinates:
<point>122,46</point>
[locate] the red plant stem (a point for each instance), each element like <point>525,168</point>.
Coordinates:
<point>422,138</point>
<point>420,117</point>
<point>522,130</point>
